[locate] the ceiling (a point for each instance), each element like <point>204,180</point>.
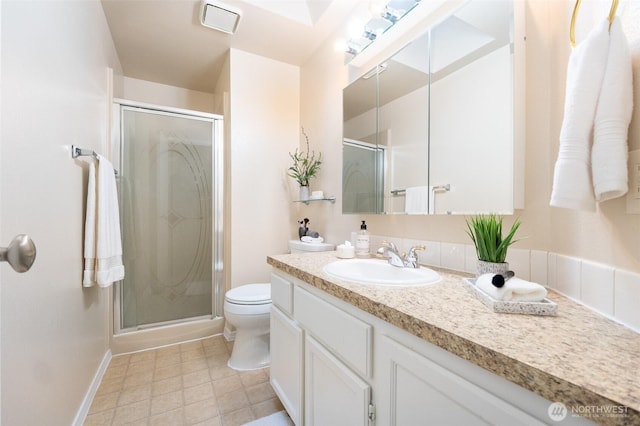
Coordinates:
<point>163,41</point>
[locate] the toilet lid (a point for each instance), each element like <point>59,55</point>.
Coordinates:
<point>250,294</point>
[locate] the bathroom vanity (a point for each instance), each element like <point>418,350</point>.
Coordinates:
<point>350,354</point>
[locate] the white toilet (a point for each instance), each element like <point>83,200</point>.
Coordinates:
<point>248,308</point>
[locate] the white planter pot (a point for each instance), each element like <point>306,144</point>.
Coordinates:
<point>304,193</point>
<point>491,268</point>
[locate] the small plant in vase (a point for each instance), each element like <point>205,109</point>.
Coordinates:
<point>491,247</point>
<point>305,166</point>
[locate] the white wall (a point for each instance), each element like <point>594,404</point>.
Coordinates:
<point>55,88</point>
<point>609,236</point>
<point>264,128</point>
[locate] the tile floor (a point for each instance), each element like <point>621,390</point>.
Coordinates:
<point>185,384</point>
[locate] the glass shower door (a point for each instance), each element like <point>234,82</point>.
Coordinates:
<point>166,208</point>
<point>362,177</point>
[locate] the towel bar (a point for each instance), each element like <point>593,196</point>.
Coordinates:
<point>76,152</point>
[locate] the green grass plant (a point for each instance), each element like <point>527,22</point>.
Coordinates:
<point>486,233</point>
<point>305,164</point>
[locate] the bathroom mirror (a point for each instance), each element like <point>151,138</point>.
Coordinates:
<point>363,154</point>
<point>435,128</point>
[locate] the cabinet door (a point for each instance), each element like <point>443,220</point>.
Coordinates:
<point>287,354</point>
<point>334,395</point>
<point>416,390</point>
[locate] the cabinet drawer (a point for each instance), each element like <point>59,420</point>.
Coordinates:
<point>345,335</point>
<point>282,293</point>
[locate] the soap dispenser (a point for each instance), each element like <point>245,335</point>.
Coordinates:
<point>362,241</point>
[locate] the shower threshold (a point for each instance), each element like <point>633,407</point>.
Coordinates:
<point>167,333</point>
<point>165,323</point>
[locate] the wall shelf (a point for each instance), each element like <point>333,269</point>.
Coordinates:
<point>332,200</point>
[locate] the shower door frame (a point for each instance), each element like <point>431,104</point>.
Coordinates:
<point>217,210</point>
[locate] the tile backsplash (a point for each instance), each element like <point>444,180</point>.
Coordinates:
<point>612,292</point>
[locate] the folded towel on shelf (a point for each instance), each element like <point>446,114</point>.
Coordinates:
<point>311,240</point>
<point>514,290</point>
<point>416,200</point>
<point>572,185</point>
<point>613,115</point>
<point>102,242</point>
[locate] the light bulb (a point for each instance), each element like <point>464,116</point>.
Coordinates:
<point>340,45</point>
<point>355,28</point>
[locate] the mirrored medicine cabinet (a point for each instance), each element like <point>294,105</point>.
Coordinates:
<point>437,128</point>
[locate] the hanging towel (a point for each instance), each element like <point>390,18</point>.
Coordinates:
<point>613,115</point>
<point>572,186</point>
<point>102,243</point>
<point>513,290</point>
<point>416,200</point>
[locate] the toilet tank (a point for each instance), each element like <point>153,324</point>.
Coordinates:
<point>297,246</point>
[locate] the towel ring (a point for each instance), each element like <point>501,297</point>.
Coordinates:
<point>574,15</point>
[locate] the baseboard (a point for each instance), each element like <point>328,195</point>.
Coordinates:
<point>81,415</point>
<point>228,334</point>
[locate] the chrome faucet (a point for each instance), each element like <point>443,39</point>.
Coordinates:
<point>390,251</point>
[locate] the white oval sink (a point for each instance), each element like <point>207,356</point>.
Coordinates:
<point>380,272</point>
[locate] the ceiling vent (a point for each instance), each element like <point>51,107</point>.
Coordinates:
<point>219,16</point>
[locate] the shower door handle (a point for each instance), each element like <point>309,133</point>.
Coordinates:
<point>20,254</point>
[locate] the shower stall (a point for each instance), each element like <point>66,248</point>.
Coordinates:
<point>362,177</point>
<point>170,187</point>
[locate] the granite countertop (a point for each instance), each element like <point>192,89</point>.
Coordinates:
<point>579,357</point>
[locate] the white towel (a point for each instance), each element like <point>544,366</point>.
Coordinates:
<point>102,243</point>
<point>572,186</point>
<point>311,240</point>
<point>416,200</point>
<point>613,115</point>
<point>513,290</point>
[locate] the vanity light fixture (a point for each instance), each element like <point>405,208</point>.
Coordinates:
<point>219,16</point>
<point>383,17</point>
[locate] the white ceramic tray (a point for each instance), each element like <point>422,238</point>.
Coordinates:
<point>545,307</point>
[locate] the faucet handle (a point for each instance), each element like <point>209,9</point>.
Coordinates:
<point>390,245</point>
<point>414,249</point>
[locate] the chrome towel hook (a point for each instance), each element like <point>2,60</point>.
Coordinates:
<point>20,254</point>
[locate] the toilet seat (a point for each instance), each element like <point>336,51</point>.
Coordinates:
<point>250,294</point>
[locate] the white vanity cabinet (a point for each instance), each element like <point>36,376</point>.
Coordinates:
<point>334,364</point>
<point>287,361</point>
<point>414,389</point>
<point>287,350</point>
<point>333,395</point>
<point>318,355</point>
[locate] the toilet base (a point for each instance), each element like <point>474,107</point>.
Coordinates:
<point>250,352</point>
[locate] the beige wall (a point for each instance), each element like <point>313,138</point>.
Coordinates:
<point>608,236</point>
<point>264,119</point>
<point>55,92</point>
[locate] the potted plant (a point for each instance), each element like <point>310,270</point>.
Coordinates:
<point>491,247</point>
<point>305,166</point>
